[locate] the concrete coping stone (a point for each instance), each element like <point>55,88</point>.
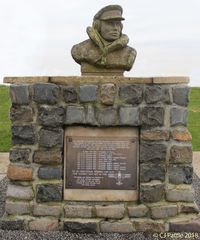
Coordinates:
<point>97,79</point>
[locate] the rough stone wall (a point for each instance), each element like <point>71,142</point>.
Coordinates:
<point>39,113</point>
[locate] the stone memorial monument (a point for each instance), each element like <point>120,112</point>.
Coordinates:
<point>100,152</point>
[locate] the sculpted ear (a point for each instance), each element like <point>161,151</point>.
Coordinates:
<point>122,26</point>
<point>97,24</point>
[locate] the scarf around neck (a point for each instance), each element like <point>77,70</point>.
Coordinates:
<point>105,46</point>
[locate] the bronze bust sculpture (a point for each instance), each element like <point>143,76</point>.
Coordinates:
<point>106,51</point>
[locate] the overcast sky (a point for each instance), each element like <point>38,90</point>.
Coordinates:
<point>37,36</point>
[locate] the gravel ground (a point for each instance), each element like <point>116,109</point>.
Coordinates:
<point>63,235</point>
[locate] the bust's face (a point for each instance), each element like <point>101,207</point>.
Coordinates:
<point>111,30</point>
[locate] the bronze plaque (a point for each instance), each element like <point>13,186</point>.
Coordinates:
<point>94,162</point>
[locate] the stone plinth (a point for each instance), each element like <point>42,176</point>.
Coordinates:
<point>42,107</point>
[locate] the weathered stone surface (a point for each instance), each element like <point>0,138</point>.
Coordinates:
<point>70,94</point>
<point>147,225</point>
<point>20,155</point>
<point>52,117</point>
<point>152,116</point>
<point>51,137</point>
<point>129,116</point>
<point>192,226</point>
<point>180,154</point>
<point>154,135</point>
<point>181,135</point>
<point>21,113</point>
<point>110,211</point>
<point>152,192</point>
<point>131,93</point>
<point>46,210</point>
<point>74,114</point>
<point>107,116</point>
<point>20,94</point>
<point>88,93</point>
<point>181,95</point>
<point>154,94</point>
<point>17,208</point>
<point>78,211</point>
<point>180,174</point>
<point>15,172</point>
<point>176,195</point>
<point>81,226</point>
<point>20,192</point>
<point>46,93</point>
<point>170,80</point>
<point>47,157</point>
<point>164,211</point>
<point>50,172</point>
<point>178,116</point>
<point>90,116</point>
<point>188,208</point>
<point>12,225</point>
<point>23,134</point>
<point>137,211</point>
<point>153,152</point>
<point>49,192</point>
<point>107,93</point>
<point>29,79</point>
<point>150,172</point>
<point>116,227</point>
<point>43,225</point>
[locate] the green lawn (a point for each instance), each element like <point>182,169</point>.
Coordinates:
<point>5,135</point>
<point>194,117</point>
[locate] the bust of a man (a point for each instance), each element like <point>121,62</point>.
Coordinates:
<point>106,51</point>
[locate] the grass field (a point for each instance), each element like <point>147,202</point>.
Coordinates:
<point>5,124</point>
<point>5,135</point>
<point>194,117</point>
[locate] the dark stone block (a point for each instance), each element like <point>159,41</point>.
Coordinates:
<point>132,94</point>
<point>192,226</point>
<point>107,116</point>
<point>20,94</point>
<point>154,94</point>
<point>46,93</point>
<point>12,225</point>
<point>152,192</point>
<point>51,137</point>
<point>21,113</point>
<point>48,157</point>
<point>49,193</point>
<point>80,227</point>
<point>150,172</point>
<point>180,174</point>
<point>70,94</point>
<point>178,116</point>
<point>152,116</point>
<point>23,135</point>
<point>20,155</point>
<point>181,95</point>
<point>153,152</point>
<point>52,117</point>
<point>50,173</point>
<point>181,154</point>
<point>129,116</point>
<point>75,114</point>
<point>88,93</point>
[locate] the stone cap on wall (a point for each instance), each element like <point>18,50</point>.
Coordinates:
<point>97,79</point>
